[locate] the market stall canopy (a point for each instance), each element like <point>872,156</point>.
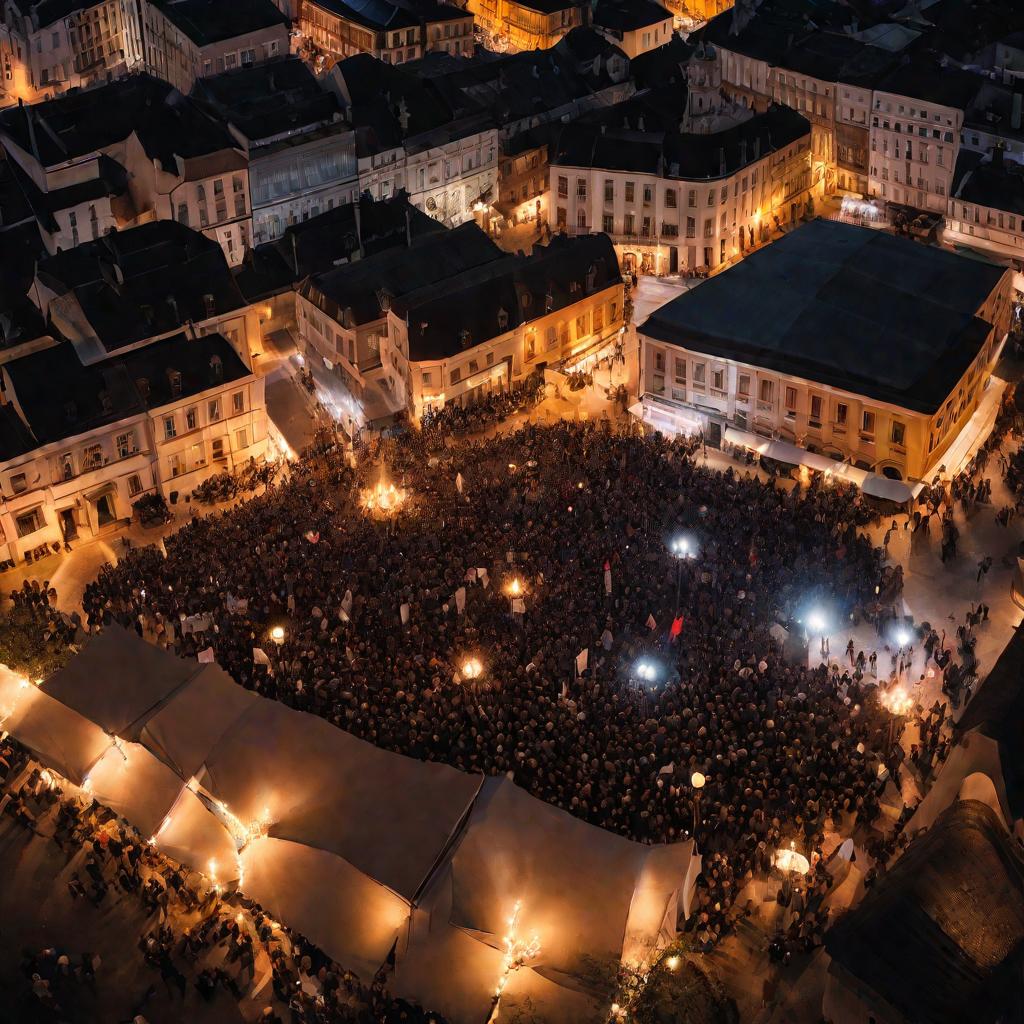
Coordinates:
<point>389,816</point>
<point>117,680</point>
<point>184,731</point>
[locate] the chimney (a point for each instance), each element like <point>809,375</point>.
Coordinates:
<point>997,155</point>
<point>357,212</point>
<point>1015,111</point>
<point>721,160</point>
<point>640,123</point>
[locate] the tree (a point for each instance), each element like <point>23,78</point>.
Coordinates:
<point>24,646</point>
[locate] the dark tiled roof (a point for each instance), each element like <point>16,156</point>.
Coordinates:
<point>432,258</point>
<point>642,135</point>
<point>269,99</point>
<point>940,935</point>
<point>844,306</point>
<point>922,80</point>
<point>15,438</point>
<point>86,121</point>
<point>452,314</point>
<point>147,281</point>
<point>999,186</point>
<point>316,245</point>
<point>621,16</point>
<point>211,21</point>
<point>60,397</point>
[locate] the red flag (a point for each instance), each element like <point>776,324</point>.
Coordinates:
<point>677,626</point>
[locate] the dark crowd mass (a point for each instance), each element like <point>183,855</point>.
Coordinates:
<point>374,641</point>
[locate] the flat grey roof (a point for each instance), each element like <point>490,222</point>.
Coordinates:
<point>844,306</point>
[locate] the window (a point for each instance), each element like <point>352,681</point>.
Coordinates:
<point>680,371</point>
<point>841,413</point>
<point>699,375</point>
<point>29,522</point>
<point>691,198</point>
<point>899,433</point>
<point>718,380</point>
<point>766,390</point>
<point>218,448</point>
<point>581,188</point>
<point>134,485</point>
<point>743,385</point>
<point>238,402</point>
<point>183,214</point>
<point>630,191</point>
<point>563,186</point>
<point>455,376</point>
<point>608,224</point>
<point>648,195</point>
<point>176,464</point>
<point>92,457</point>
<point>19,483</point>
<point>125,444</point>
<point>609,190</point>
<point>867,422</point>
<point>170,429</point>
<point>213,410</point>
<point>670,198</point>
<point>241,439</point>
<point>691,227</point>
<point>628,224</point>
<point>790,401</point>
<point>191,420</point>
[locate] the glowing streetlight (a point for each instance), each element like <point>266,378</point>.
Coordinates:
<point>277,635</point>
<point>698,781</point>
<point>903,636</point>
<point>672,963</point>
<point>817,623</point>
<point>472,668</point>
<point>646,669</point>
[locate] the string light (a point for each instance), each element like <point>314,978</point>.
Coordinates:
<point>518,952</point>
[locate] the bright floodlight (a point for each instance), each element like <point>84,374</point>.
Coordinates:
<point>646,670</point>
<point>816,621</point>
<point>697,780</point>
<point>277,634</point>
<point>903,637</point>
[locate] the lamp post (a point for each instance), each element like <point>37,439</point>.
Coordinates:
<point>697,780</point>
<point>277,635</point>
<point>681,548</point>
<point>817,625</point>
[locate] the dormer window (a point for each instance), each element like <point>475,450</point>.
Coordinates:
<point>502,320</point>
<point>174,379</point>
<point>216,369</point>
<point>209,306</point>
<point>143,385</point>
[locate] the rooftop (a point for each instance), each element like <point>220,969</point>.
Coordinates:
<point>940,935</point>
<point>844,306</point>
<point>212,21</point>
<point>358,287</point>
<point>150,280</point>
<point>922,80</point>
<point>266,100</point>
<point>80,123</point>
<point>349,232</point>
<point>620,16</point>
<point>997,184</point>
<point>484,302</point>
<point>60,397</point>
<point>642,134</point>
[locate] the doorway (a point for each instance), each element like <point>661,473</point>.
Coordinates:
<point>104,510</point>
<point>68,526</point>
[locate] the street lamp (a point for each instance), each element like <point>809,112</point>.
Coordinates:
<point>277,635</point>
<point>697,780</point>
<point>681,548</point>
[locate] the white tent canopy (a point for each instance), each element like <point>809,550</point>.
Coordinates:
<point>362,850</point>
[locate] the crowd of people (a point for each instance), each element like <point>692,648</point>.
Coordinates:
<point>379,617</point>
<point>453,418</point>
<point>193,937</point>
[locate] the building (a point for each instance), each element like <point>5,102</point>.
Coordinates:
<point>130,288</point>
<point>916,118</point>
<point>940,936</point>
<point>394,31</point>
<point>635,27</point>
<point>183,40</point>
<point>50,46</point>
<point>125,153</point>
<point>300,150</point>
<point>835,341</point>
<point>516,25</point>
<point>408,136</point>
<point>986,209</point>
<point>994,118</point>
<point>673,199</point>
<point>355,231</point>
<point>80,443</point>
<point>452,318</point>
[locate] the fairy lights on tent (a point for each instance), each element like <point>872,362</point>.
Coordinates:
<point>518,951</point>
